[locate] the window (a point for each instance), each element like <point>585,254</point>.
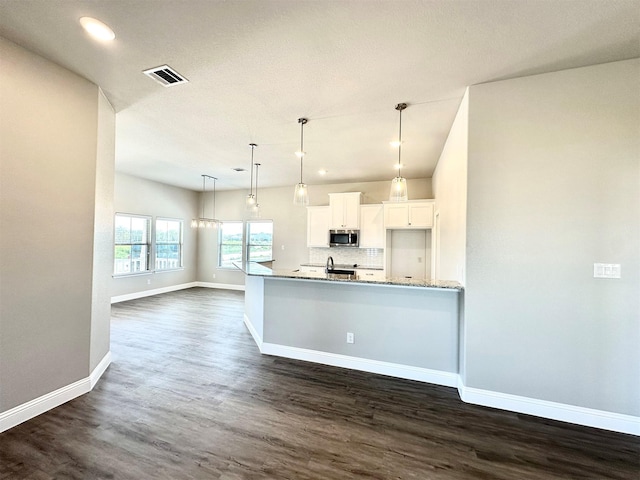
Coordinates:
<point>168,244</point>
<point>132,244</point>
<point>229,244</point>
<point>259,241</point>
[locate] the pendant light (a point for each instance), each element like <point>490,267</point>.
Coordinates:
<point>398,192</point>
<point>250,201</point>
<point>204,222</point>
<point>301,195</point>
<point>255,213</point>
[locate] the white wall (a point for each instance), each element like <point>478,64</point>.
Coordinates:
<point>50,121</point>
<point>553,186</point>
<point>144,197</point>
<point>450,192</point>
<point>103,232</point>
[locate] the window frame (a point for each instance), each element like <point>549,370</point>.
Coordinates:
<point>220,244</point>
<point>247,240</point>
<point>147,244</point>
<point>179,243</point>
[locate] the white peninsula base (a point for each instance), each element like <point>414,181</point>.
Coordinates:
<point>400,331</point>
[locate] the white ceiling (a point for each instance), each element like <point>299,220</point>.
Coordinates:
<point>256,66</point>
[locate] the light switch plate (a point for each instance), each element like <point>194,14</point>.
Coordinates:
<point>606,270</point>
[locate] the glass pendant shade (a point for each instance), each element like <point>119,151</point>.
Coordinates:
<point>255,212</point>
<point>301,195</point>
<point>254,209</point>
<point>250,202</point>
<point>398,192</point>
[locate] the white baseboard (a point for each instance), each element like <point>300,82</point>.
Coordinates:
<point>253,332</point>
<point>224,286</point>
<point>437,377</point>
<point>44,403</point>
<point>174,288</point>
<point>556,411</point>
<point>541,408</point>
<point>100,369</point>
<point>150,293</point>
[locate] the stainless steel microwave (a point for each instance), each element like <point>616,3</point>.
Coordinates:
<point>344,238</point>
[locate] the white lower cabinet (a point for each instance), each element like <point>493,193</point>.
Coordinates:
<point>307,269</point>
<point>370,274</point>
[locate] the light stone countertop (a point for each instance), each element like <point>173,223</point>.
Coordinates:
<point>262,271</point>
<point>349,266</point>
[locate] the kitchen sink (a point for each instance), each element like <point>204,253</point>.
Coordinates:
<point>339,274</point>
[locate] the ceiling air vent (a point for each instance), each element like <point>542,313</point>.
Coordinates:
<point>165,76</point>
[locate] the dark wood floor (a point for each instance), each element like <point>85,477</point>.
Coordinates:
<point>188,396</point>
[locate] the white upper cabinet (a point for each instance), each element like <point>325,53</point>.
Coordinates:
<point>371,226</point>
<point>345,210</point>
<point>411,214</point>
<point>318,226</point>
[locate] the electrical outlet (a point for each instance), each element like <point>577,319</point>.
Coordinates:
<point>282,247</point>
<point>350,338</point>
<point>606,270</point>
<point>148,281</point>
<point>214,276</point>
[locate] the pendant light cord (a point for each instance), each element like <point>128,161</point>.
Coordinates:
<point>257,165</point>
<point>252,145</point>
<point>400,145</point>
<point>204,183</point>
<point>301,121</point>
<point>214,197</point>
<point>400,107</point>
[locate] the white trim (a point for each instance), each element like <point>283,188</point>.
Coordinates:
<point>100,369</point>
<point>48,401</point>
<point>420,374</point>
<point>589,417</point>
<point>253,332</point>
<point>149,293</point>
<point>224,286</point>
<point>173,288</point>
<point>541,408</point>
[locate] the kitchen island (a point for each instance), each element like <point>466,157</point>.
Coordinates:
<point>401,327</point>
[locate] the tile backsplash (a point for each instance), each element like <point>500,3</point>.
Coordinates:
<point>348,256</point>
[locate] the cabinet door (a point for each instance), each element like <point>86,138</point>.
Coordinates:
<point>420,215</point>
<point>306,269</point>
<point>318,226</point>
<point>351,203</point>
<point>336,204</point>
<point>371,226</point>
<point>396,215</point>
<point>345,210</point>
<point>378,275</point>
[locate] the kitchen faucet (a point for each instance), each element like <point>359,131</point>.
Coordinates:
<point>329,261</point>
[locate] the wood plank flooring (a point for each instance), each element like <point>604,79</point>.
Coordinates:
<point>188,396</point>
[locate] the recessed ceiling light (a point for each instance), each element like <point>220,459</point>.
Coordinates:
<point>323,172</point>
<point>395,143</point>
<point>97,29</point>
<point>397,166</point>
